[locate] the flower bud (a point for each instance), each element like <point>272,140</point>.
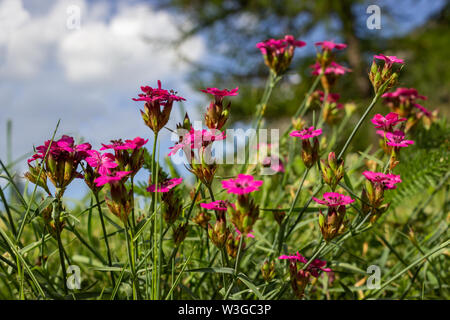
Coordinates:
<point>268,271</point>
<point>180,233</point>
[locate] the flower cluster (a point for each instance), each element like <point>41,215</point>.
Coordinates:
<point>301,278</point>
<point>278,54</point>
<point>155,99</point>
<point>384,78</point>
<point>403,102</point>
<point>217,114</point>
<point>310,152</point>
<point>333,224</point>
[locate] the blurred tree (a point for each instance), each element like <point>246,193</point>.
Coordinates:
<point>233,27</point>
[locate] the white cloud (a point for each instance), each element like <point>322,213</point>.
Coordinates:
<point>85,77</point>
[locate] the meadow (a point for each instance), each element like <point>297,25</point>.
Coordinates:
<point>305,216</point>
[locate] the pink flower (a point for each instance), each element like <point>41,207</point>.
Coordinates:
<point>196,139</point>
<point>62,149</point>
<point>333,68</point>
<point>395,139</point>
<point>242,184</point>
<point>159,95</point>
<point>104,162</point>
<point>388,122</point>
<point>274,163</point>
<point>219,94</point>
<point>389,60</point>
<point>279,46</point>
<point>136,143</point>
<point>313,267</point>
<point>306,133</point>
<point>387,181</point>
<point>405,93</point>
<point>219,205</point>
<point>166,185</point>
<point>330,45</point>
<point>334,199</point>
<point>117,176</point>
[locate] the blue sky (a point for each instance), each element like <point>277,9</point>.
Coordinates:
<point>87,77</point>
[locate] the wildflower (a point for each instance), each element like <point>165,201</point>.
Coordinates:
<point>330,45</point>
<point>217,114</point>
<point>331,108</point>
<point>310,153</point>
<point>395,139</point>
<point>129,154</point>
<point>202,219</point>
<point>121,201</point>
<point>249,235</point>
<point>333,224</point>
<point>60,165</point>
<point>306,133</point>
<point>243,184</point>
<point>155,99</point>
<point>330,73</point>
<point>179,233</point>
<point>278,54</point>
<point>386,123</point>
<point>268,271</point>
<point>103,162</point>
<point>385,181</point>
<point>403,101</point>
<point>232,244</point>
<point>165,186</point>
<point>301,278</point>
<point>332,170</point>
<point>219,233</point>
<point>385,78</point>
<point>219,205</point>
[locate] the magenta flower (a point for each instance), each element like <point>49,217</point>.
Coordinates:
<point>334,68</point>
<point>219,94</point>
<point>278,54</point>
<point>165,186</point>
<point>388,122</point>
<point>243,184</point>
<point>220,205</point>
<point>387,181</point>
<point>158,95</point>
<point>62,149</point>
<point>395,139</point>
<point>196,139</point>
<point>306,133</point>
<point>334,199</point>
<point>313,267</point>
<point>136,143</point>
<point>104,162</point>
<point>405,94</point>
<point>117,176</point>
<point>330,45</point>
<point>389,60</point>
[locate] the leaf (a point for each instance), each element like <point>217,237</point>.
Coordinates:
<point>250,285</point>
<point>213,270</point>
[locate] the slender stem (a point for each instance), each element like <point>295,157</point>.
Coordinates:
<point>130,249</point>
<point>291,209</point>
<point>60,245</point>
<point>361,120</point>
<point>105,236</point>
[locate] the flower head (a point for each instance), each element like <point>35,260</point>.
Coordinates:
<point>314,267</point>
<point>220,205</point>
<point>330,45</point>
<point>159,95</point>
<point>243,184</point>
<point>395,139</point>
<point>387,181</point>
<point>165,186</point>
<point>116,176</point>
<point>306,133</point>
<point>219,94</point>
<point>388,122</point>
<point>278,54</point>
<point>104,162</point>
<point>332,69</point>
<point>334,199</point>
<point>389,60</point>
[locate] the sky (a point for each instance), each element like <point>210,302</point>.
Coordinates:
<point>85,74</point>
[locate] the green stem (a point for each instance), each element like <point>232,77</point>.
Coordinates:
<point>130,249</point>
<point>60,245</point>
<point>358,125</point>
<point>105,236</point>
